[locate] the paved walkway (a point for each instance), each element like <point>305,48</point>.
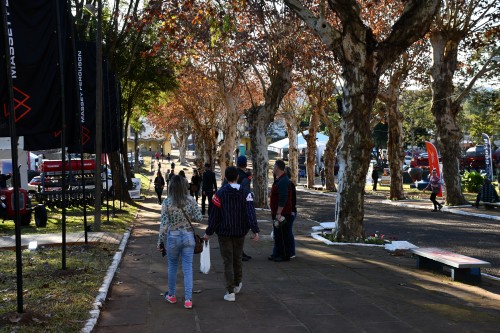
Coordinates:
<point>325,289</point>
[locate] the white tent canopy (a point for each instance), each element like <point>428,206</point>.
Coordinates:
<point>281,145</point>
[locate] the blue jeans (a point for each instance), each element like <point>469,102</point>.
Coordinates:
<point>180,244</point>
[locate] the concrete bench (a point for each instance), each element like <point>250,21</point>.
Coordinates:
<point>490,204</point>
<point>462,268</point>
<point>317,187</point>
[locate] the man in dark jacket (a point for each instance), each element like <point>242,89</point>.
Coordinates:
<point>232,215</point>
<point>281,212</point>
<point>375,176</point>
<point>487,193</point>
<point>208,188</point>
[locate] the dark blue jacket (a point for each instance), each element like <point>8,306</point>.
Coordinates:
<point>233,213</point>
<point>209,183</point>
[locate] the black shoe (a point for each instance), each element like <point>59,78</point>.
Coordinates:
<point>246,256</point>
<point>434,210</point>
<point>271,257</point>
<point>280,259</point>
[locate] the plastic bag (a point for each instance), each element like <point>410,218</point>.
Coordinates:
<point>205,258</point>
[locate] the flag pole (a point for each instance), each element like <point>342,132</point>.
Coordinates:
<point>13,147</point>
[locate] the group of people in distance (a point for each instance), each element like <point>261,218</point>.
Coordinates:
<point>231,215</point>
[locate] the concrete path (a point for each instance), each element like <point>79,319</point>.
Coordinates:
<point>325,289</point>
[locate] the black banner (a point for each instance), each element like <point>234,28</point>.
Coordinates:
<point>32,36</point>
<point>86,68</point>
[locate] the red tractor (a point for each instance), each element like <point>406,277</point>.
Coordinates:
<point>7,211</point>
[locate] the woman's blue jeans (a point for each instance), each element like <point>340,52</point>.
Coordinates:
<point>180,244</point>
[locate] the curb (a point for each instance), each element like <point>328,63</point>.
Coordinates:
<point>103,291</point>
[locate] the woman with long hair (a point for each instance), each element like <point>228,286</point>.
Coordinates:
<point>177,210</point>
<point>435,187</point>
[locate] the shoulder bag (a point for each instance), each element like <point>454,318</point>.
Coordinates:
<point>198,242</point>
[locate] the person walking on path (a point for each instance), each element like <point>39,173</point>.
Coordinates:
<point>322,176</point>
<point>208,188</point>
<point>159,185</point>
<point>231,217</point>
<point>168,157</point>
<point>281,212</point>
<point>172,165</point>
<point>171,175</point>
<point>487,193</point>
<point>167,177</point>
<point>375,176</point>
<point>194,187</point>
<point>176,212</point>
<point>435,187</point>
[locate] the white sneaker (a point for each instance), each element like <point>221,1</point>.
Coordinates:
<point>237,289</point>
<point>230,297</point>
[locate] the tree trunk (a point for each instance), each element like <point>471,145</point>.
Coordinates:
<point>120,191</point>
<point>259,121</point>
<point>182,149</point>
<point>181,137</point>
<point>395,152</point>
<point>445,115</point>
<point>198,152</point>
<point>227,148</point>
<point>311,148</point>
<point>354,150</point>
<point>135,156</point>
<point>293,152</point>
<point>329,154</point>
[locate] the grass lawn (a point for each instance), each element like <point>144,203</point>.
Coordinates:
<point>54,300</point>
<point>58,300</point>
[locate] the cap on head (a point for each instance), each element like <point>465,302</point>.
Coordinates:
<point>241,161</point>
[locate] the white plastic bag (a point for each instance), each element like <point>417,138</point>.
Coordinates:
<point>205,258</point>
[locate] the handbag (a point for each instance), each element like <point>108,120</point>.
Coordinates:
<point>198,242</point>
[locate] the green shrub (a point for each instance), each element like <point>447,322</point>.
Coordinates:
<point>472,181</point>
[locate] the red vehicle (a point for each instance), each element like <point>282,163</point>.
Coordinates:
<point>7,211</point>
<point>421,161</point>
<point>474,158</point>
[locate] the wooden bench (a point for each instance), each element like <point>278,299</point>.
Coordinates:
<point>490,204</point>
<point>462,268</point>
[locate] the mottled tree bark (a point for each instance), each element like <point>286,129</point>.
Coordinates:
<point>230,126</point>
<point>312,147</point>
<point>259,120</point>
<point>330,151</point>
<point>363,60</point>
<point>293,152</point>
<point>445,112</point>
<point>395,151</point>
<point>259,117</point>
<point>354,152</point>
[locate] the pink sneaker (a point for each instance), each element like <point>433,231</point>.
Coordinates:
<point>188,304</point>
<point>171,299</point>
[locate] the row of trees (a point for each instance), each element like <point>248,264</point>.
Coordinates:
<point>243,63</point>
